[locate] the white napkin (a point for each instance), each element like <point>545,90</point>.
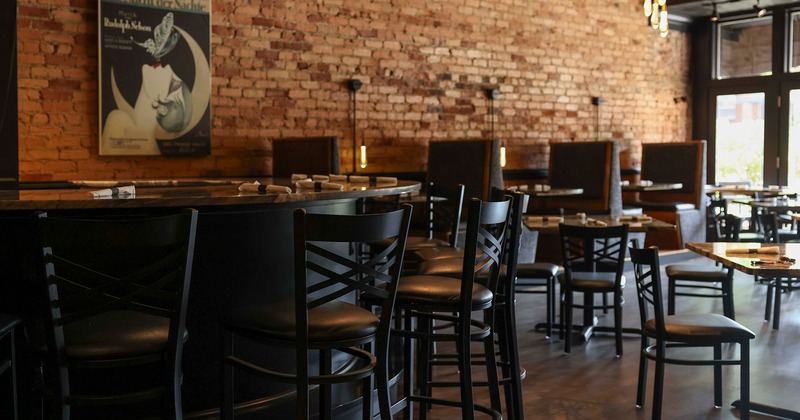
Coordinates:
<point>545,219</point>
<point>114,192</point>
<point>320,178</point>
<point>645,183</point>
<point>299,177</point>
<point>638,219</point>
<point>260,188</point>
<point>590,221</point>
<point>311,185</point>
<point>760,250</point>
<point>541,188</point>
<point>363,179</point>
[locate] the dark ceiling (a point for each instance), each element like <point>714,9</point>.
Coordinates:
<point>692,9</point>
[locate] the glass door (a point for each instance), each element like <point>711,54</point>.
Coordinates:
<point>739,127</point>
<point>789,161</point>
<point>745,133</point>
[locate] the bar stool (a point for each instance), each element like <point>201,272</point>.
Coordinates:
<point>117,290</point>
<point>504,304</point>
<point>318,319</point>
<point>9,409</point>
<point>425,299</point>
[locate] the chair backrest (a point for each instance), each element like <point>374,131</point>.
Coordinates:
<point>592,166</point>
<point>473,163</point>
<point>487,227</point>
<point>647,271</point>
<point>768,226</point>
<point>92,266</point>
<point>513,238</point>
<point>443,206</point>
<point>322,275</point>
<point>683,162</point>
<point>306,155</point>
<point>715,219</point>
<point>733,227</point>
<point>594,249</point>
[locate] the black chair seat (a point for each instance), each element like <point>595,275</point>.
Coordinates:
<point>439,291</point>
<point>592,281</point>
<point>696,272</point>
<point>331,322</point>
<point>536,270</point>
<point>117,335</point>
<point>691,327</point>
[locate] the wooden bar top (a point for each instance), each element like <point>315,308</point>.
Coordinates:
<point>191,196</point>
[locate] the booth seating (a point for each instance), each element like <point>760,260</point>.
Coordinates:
<point>473,163</point>
<point>592,166</point>
<point>305,155</point>
<point>683,163</point>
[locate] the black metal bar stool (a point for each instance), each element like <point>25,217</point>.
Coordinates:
<point>425,299</point>
<point>319,319</point>
<point>9,409</point>
<point>505,325</point>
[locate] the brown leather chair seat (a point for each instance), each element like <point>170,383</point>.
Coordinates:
<point>333,321</point>
<point>694,327</point>
<point>600,282</point>
<point>696,272</point>
<point>439,291</point>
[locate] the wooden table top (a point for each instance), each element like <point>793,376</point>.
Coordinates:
<point>647,187</point>
<point>717,251</point>
<point>771,204</point>
<point>191,196</point>
<point>545,191</point>
<point>550,226</point>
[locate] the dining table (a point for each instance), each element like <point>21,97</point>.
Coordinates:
<point>747,258</point>
<point>644,186</point>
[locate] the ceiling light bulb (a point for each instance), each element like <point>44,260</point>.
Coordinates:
<point>503,156</point>
<point>663,24</point>
<point>762,12</point>
<point>654,20</point>
<point>648,8</point>
<point>662,2</point>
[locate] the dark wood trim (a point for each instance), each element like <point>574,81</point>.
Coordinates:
<point>9,134</point>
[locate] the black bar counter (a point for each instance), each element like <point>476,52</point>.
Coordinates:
<point>243,255</point>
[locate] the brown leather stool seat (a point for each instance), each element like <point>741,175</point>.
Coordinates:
<point>697,327</point>
<point>333,321</point>
<point>440,292</point>
<point>706,282</point>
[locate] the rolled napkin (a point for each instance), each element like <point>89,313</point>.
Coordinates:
<point>320,178</point>
<point>624,183</point>
<point>541,188</point>
<point>114,192</point>
<point>590,221</point>
<point>645,183</point>
<point>643,218</point>
<point>759,250</point>
<point>312,185</point>
<point>545,219</point>
<point>299,177</point>
<point>261,188</point>
<point>362,179</point>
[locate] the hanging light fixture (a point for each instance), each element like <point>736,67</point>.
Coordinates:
<point>715,13</point>
<point>363,152</point>
<point>494,94</point>
<point>656,11</point>
<point>760,12</point>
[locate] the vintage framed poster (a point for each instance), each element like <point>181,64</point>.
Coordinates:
<point>155,77</point>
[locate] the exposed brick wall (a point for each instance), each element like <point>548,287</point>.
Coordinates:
<point>279,69</point>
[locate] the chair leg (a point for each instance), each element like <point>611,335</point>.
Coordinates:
<point>566,321</point>
<point>718,376</point>
<point>658,384</point>
<point>618,321</point>
<point>465,368</point>
<point>562,314</point>
<point>503,343</point>
<point>491,373</point>
<point>551,303</point>
<point>514,365</point>
<point>776,316</point>
<point>227,377</point>
<point>408,365</point>
<point>367,385</point>
<point>325,402</point>
<point>768,308</point>
<point>641,389</point>
<point>744,374</point>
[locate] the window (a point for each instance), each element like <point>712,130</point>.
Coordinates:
<point>794,44</point>
<point>744,48</point>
